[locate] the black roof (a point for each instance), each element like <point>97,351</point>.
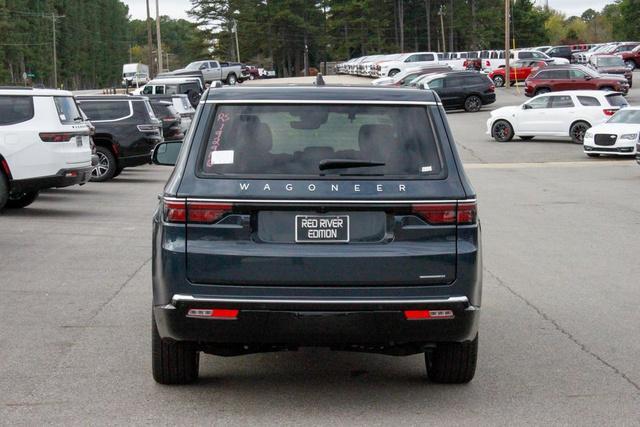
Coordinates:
<point>111,97</point>
<point>320,93</point>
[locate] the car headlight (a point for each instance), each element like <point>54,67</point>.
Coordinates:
<point>629,136</point>
<point>588,135</point>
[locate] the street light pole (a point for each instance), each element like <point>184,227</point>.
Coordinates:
<point>158,36</point>
<point>507,37</point>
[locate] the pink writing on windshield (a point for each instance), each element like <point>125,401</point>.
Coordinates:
<point>221,121</point>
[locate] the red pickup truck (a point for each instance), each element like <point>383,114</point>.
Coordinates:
<point>631,58</point>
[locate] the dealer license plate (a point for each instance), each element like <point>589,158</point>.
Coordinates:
<point>322,228</point>
<point>79,140</point>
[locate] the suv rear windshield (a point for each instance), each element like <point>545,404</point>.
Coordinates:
<point>617,100</point>
<point>106,110</point>
<point>292,140</point>
<point>67,110</point>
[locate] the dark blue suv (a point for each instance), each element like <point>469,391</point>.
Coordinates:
<point>338,217</point>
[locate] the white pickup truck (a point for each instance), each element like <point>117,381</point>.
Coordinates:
<point>407,60</point>
<point>490,64</point>
<point>228,72</point>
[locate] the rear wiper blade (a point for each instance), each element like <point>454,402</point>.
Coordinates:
<point>347,163</point>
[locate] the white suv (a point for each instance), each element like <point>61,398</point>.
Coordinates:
<point>44,143</point>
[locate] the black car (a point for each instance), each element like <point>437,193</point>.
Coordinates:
<point>316,216</point>
<point>560,52</point>
<point>171,122</point>
<point>462,89</point>
<point>126,132</point>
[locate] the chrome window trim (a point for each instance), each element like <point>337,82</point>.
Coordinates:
<point>190,298</point>
<point>307,201</point>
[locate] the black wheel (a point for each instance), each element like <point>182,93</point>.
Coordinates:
<point>231,79</point>
<point>106,168</point>
<point>526,138</point>
<point>498,81</point>
<point>252,77</point>
<point>577,131</point>
<point>593,154</point>
<point>21,200</point>
<point>502,131</point>
<point>472,104</point>
<point>630,63</point>
<point>452,362</point>
<point>172,362</point>
<point>393,72</point>
<point>4,190</point>
<point>118,171</point>
<point>542,90</point>
<point>194,98</point>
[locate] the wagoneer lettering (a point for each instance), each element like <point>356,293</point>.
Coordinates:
<point>326,230</point>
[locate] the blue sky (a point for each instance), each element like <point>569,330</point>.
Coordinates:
<point>178,8</point>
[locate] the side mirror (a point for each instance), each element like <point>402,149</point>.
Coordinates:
<point>526,106</point>
<point>202,67</point>
<point>587,77</point>
<point>166,153</point>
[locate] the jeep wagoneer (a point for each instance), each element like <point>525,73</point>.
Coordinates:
<point>336,217</point>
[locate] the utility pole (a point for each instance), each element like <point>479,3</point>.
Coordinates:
<point>401,22</point>
<point>507,37</point>
<point>158,36</point>
<point>441,13</point>
<point>450,11</point>
<point>427,5</point>
<point>149,42</point>
<point>54,18</point>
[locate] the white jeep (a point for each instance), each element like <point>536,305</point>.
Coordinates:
<point>44,143</point>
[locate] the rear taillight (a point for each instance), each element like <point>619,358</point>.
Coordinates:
<point>447,213</point>
<point>148,128</point>
<point>492,88</point>
<point>214,313</point>
<point>195,212</point>
<point>56,136</point>
<point>609,111</point>
<point>175,211</point>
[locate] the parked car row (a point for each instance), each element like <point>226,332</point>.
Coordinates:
<point>377,66</point>
<point>51,139</point>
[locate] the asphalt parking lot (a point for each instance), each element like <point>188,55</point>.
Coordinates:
<point>559,335</point>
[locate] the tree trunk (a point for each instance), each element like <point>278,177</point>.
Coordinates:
<point>427,5</point>
<point>451,25</point>
<point>401,23</point>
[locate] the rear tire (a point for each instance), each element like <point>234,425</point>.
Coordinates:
<point>393,73</point>
<point>472,104</point>
<point>118,171</point>
<point>577,131</point>
<point>172,362</point>
<point>502,131</point>
<point>4,190</point>
<point>630,63</point>
<point>231,79</point>
<point>452,362</point>
<point>106,168</point>
<point>21,200</point>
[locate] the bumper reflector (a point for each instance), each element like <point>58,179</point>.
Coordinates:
<point>214,313</point>
<point>428,314</point>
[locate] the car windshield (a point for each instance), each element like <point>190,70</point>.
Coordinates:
<point>610,61</point>
<point>193,66</point>
<point>631,117</point>
<point>293,140</point>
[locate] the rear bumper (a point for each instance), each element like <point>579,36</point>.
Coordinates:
<point>64,178</point>
<point>366,325</point>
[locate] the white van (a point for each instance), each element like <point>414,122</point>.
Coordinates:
<point>135,75</point>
